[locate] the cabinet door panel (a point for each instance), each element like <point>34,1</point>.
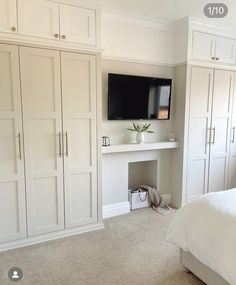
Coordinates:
<point>44,172</point>
<point>225,50</point>
<point>38,18</point>
<point>8,16</point>
<point>217,174</point>
<point>77,24</point>
<point>12,184</point>
<point>221,115</point>
<point>203,46</point>
<point>196,179</point>
<point>79,122</point>
<point>232,162</point>
<point>232,172</point>
<point>199,124</point>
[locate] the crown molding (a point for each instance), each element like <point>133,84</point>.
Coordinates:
<point>138,20</point>
<point>106,56</point>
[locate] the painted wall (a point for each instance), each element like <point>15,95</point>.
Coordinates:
<point>117,130</point>
<point>132,38</point>
<point>134,46</point>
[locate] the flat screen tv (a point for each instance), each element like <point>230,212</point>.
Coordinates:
<point>138,97</point>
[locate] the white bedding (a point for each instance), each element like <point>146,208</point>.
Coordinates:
<point>207,228</point>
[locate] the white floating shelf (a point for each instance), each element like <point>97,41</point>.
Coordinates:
<point>139,147</point>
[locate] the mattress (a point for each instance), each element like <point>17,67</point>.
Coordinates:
<point>206,228</point>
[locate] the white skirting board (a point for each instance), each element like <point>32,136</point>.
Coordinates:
<point>124,207</point>
<point>116,209</point>
<point>50,236</point>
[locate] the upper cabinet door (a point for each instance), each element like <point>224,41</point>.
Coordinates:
<point>225,50</point>
<point>8,17</point>
<point>77,25</point>
<point>38,18</point>
<point>203,46</point>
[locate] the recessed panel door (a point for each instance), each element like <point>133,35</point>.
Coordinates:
<point>12,184</point>
<point>77,24</point>
<point>220,131</point>
<point>38,18</point>
<point>199,132</point>
<point>203,46</point>
<point>79,126</point>
<point>225,50</point>
<point>232,159</point>
<point>41,96</point>
<point>8,16</point>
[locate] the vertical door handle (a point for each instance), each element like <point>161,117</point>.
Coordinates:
<point>233,137</point>
<point>214,135</point>
<point>209,136</point>
<point>60,150</point>
<point>67,152</point>
<point>19,145</point>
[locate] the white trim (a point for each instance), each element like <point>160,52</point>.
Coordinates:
<point>50,236</point>
<point>139,147</point>
<point>138,20</point>
<point>136,60</point>
<point>124,207</point>
<point>47,43</point>
<point>116,209</point>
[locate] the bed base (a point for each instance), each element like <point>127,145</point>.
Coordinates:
<point>200,270</point>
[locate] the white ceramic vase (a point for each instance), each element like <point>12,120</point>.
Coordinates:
<point>140,137</point>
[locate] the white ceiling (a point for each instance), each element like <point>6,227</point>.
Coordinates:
<point>171,9</point>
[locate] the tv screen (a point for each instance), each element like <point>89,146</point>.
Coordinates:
<point>138,97</point>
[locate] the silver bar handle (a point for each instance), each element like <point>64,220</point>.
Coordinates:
<point>60,150</point>
<point>233,138</point>
<point>209,136</point>
<point>19,145</point>
<point>67,152</point>
<point>214,135</point>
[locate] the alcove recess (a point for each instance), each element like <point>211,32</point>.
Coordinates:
<point>143,173</point>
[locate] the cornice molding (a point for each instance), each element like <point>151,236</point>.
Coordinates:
<point>106,56</point>
<point>138,20</point>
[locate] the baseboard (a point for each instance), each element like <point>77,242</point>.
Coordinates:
<point>116,209</point>
<point>50,236</point>
<point>124,207</point>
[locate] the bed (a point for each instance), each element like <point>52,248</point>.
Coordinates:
<point>205,231</point>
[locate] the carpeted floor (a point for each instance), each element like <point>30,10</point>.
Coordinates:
<point>130,251</point>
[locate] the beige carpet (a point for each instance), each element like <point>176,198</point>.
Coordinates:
<point>130,251</point>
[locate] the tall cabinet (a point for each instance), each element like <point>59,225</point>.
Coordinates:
<point>211,93</point>
<point>48,131</point>
<point>12,182</point>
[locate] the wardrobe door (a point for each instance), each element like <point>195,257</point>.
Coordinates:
<point>41,97</point>
<point>199,134</point>
<point>79,126</point>
<point>38,18</point>
<point>232,159</point>
<point>221,115</point>
<point>77,24</point>
<point>8,16</point>
<point>12,185</point>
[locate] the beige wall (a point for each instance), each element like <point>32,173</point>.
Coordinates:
<point>117,130</point>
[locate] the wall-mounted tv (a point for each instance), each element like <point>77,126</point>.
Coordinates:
<point>138,97</point>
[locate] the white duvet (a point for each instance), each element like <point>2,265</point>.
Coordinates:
<point>207,228</point>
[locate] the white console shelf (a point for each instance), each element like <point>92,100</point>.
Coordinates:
<point>139,147</point>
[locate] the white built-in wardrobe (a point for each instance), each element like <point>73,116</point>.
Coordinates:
<point>48,143</point>
<point>210,131</point>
